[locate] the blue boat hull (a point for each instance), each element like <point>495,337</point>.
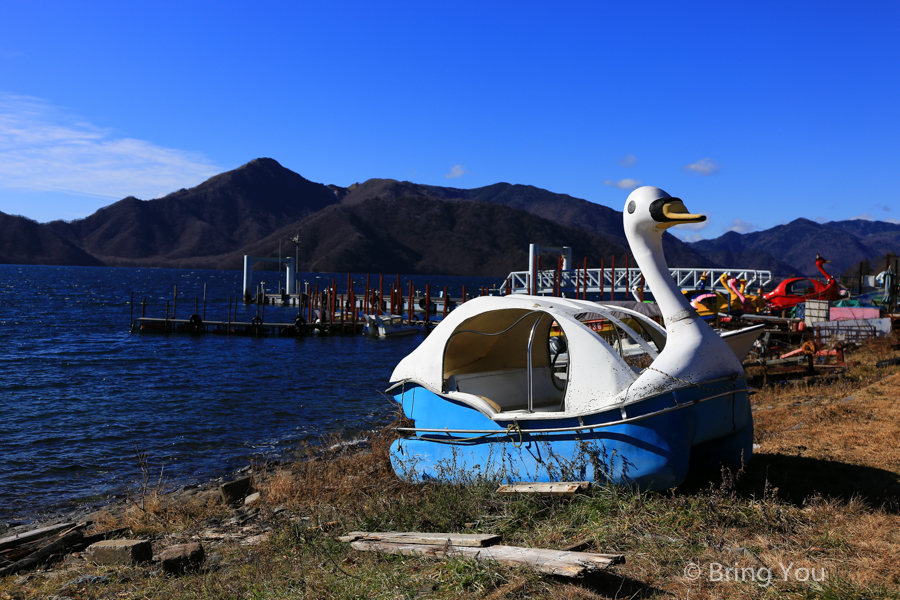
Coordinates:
<point>652,453</point>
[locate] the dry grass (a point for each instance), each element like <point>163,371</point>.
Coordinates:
<point>819,499</point>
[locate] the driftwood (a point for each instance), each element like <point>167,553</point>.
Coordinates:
<point>62,544</point>
<point>19,556</point>
<point>30,536</point>
<point>564,488</point>
<point>554,562</point>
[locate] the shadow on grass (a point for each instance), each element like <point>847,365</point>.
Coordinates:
<point>617,586</point>
<point>798,478</point>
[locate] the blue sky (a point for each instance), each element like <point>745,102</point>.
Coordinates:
<point>755,113</point>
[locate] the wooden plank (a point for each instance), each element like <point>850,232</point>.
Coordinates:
<point>474,540</point>
<point>34,534</point>
<point>562,488</point>
<point>32,560</point>
<point>553,562</point>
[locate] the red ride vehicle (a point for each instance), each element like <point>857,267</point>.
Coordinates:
<point>795,290</point>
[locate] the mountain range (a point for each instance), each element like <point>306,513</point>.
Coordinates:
<point>383,225</point>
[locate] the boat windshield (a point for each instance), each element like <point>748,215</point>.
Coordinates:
<point>507,357</point>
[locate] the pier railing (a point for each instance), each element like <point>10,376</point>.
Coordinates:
<point>622,280</point>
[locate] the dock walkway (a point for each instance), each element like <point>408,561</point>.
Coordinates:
<point>255,328</point>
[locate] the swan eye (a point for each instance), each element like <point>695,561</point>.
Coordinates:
<point>631,207</point>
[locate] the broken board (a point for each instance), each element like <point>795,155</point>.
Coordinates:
<point>472,540</point>
<point>561,488</point>
<point>553,562</point>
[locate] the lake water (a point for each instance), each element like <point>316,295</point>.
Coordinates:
<point>81,395</point>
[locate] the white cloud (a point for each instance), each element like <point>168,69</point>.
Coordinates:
<point>689,232</point>
<point>740,226</point>
<point>704,167</point>
<point>694,226</point>
<point>624,184</point>
<point>686,237</point>
<point>457,171</point>
<point>44,149</point>
<point>629,160</point>
<point>868,217</point>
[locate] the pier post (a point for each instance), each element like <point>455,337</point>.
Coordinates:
<point>612,288</point>
<point>627,287</point>
<point>380,294</point>
<point>427,303</point>
<point>248,276</point>
<point>534,251</point>
<point>446,302</point>
<point>291,275</point>
<point>602,278</point>
<point>584,295</point>
<point>566,258</point>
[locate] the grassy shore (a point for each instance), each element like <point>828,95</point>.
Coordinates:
<point>815,514</point>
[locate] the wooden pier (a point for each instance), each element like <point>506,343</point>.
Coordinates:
<point>325,311</point>
<point>255,328</point>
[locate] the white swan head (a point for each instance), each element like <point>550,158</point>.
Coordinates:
<point>649,209</point>
<point>648,212</point>
<point>693,350</point>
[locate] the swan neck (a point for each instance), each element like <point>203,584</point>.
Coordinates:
<point>648,253</point>
<point>828,277</point>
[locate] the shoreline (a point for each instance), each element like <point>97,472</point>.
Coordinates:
<point>119,502</point>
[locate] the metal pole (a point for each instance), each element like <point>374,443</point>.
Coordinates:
<point>530,373</point>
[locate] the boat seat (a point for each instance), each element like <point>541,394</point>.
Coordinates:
<point>507,390</point>
<point>490,403</point>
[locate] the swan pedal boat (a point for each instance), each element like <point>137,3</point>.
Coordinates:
<point>488,400</point>
<point>386,326</point>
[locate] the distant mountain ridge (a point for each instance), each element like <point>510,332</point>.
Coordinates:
<point>27,242</point>
<point>559,208</point>
<point>388,225</point>
<point>844,243</point>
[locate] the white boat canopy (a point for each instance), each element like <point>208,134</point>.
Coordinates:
<point>498,355</point>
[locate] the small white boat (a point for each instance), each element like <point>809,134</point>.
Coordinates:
<point>385,326</point>
<point>741,340</point>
